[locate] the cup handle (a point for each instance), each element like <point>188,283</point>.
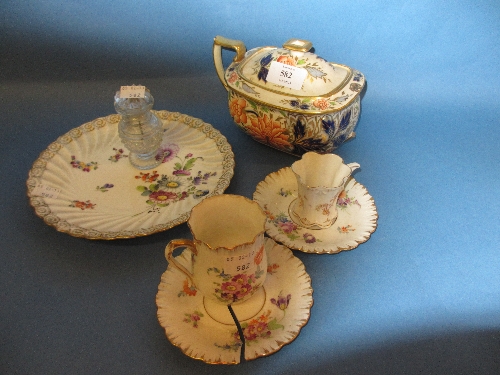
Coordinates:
<point>353,166</point>
<point>174,244</point>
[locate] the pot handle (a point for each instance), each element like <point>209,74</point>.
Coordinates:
<point>222,42</point>
<point>174,244</point>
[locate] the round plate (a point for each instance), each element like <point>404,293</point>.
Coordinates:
<point>204,332</point>
<point>84,185</point>
<point>356,221</point>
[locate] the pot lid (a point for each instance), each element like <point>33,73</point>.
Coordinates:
<point>294,79</point>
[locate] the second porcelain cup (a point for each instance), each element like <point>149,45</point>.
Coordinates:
<point>320,180</point>
<point>229,261</point>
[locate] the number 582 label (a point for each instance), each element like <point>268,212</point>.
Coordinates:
<point>133,91</point>
<point>235,264</point>
<point>286,75</point>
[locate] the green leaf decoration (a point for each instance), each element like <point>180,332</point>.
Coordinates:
<point>254,106</point>
<point>273,324</point>
<point>141,188</point>
<point>178,166</point>
<point>214,269</point>
<point>189,164</point>
<point>259,272</point>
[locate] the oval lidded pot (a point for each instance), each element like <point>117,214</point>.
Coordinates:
<point>289,98</point>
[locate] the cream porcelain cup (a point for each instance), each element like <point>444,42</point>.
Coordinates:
<point>320,180</point>
<point>229,260</point>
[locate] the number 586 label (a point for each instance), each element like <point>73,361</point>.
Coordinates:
<point>286,75</point>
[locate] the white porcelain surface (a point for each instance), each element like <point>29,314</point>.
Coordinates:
<point>229,259</point>
<point>102,196</point>
<point>270,320</point>
<point>356,221</point>
<point>320,180</point>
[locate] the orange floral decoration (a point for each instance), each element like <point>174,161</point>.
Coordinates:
<point>237,110</point>
<point>271,268</point>
<point>343,194</point>
<point>321,103</point>
<point>188,290</point>
<point>288,60</point>
<point>233,77</point>
<point>265,130</point>
<point>259,256</point>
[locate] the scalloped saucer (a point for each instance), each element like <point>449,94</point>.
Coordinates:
<point>270,319</point>
<point>356,221</point>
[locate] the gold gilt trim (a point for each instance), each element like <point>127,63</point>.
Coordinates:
<point>303,292</point>
<point>337,89</point>
<point>43,210</point>
<point>276,178</point>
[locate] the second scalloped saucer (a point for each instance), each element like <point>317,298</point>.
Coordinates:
<point>269,320</point>
<point>357,216</point>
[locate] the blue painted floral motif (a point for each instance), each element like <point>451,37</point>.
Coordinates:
<point>304,143</point>
<point>266,60</point>
<point>296,103</point>
<point>357,77</point>
<point>299,130</point>
<point>346,119</point>
<point>262,75</point>
<point>329,127</point>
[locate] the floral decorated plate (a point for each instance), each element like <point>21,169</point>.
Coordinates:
<point>269,320</point>
<point>84,185</point>
<point>356,221</point>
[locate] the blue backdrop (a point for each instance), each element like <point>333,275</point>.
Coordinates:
<point>422,295</point>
